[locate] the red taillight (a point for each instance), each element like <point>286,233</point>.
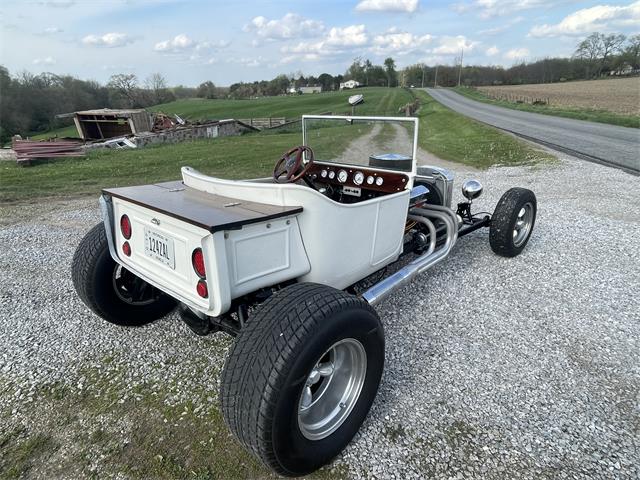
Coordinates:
<point>125,227</point>
<point>197,259</point>
<point>202,289</point>
<point>126,248</point>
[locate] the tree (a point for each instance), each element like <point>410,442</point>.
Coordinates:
<point>125,85</point>
<point>390,68</point>
<point>589,50</point>
<point>610,44</point>
<point>367,68</point>
<point>631,53</point>
<point>157,84</point>
<point>326,81</point>
<point>206,90</point>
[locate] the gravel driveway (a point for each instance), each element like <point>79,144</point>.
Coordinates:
<point>495,368</point>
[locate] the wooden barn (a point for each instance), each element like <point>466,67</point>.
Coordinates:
<point>106,123</point>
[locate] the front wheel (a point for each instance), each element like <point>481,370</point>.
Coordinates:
<point>110,290</point>
<point>302,375</point>
<point>512,222</point>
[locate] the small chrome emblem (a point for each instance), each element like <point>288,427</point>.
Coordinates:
<point>155,221</point>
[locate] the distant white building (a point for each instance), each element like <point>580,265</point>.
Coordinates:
<point>317,89</point>
<point>349,84</point>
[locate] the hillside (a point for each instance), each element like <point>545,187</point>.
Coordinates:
<point>377,101</point>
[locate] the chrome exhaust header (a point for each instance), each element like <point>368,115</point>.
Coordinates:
<point>406,274</point>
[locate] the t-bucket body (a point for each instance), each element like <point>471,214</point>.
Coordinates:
<point>258,233</point>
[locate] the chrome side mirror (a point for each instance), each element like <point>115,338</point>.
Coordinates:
<point>471,189</point>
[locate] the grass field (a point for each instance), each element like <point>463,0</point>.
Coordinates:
<point>378,101</point>
<point>454,137</point>
<point>442,132</point>
<point>614,101</point>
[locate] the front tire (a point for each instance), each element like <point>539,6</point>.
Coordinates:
<point>302,375</point>
<point>110,290</point>
<point>512,222</point>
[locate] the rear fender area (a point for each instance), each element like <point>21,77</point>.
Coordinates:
<point>237,262</point>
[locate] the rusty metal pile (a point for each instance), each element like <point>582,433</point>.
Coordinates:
<point>27,150</point>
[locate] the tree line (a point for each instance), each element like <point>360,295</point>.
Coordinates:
<point>596,56</point>
<point>29,103</point>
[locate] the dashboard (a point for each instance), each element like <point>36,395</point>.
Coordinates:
<point>356,181</point>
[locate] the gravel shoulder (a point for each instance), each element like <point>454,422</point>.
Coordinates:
<point>495,368</point>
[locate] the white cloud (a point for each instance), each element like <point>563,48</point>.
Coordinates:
<point>453,45</point>
<point>338,40</point>
<point>111,40</point>
<point>353,35</point>
<point>290,26</point>
<point>177,44</point>
<point>182,44</point>
<point>250,61</point>
<point>517,54</point>
<point>51,31</point>
<point>494,8</point>
<point>45,61</point>
<point>408,6</point>
<point>586,20</point>
<point>401,43</point>
<point>492,51</point>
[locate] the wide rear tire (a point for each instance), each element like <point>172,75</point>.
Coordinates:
<point>302,375</point>
<point>111,291</point>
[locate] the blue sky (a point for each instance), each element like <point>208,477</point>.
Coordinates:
<point>190,41</point>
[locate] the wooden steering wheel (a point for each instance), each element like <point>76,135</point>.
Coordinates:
<point>292,164</point>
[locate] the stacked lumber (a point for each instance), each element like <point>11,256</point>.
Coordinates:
<point>27,150</point>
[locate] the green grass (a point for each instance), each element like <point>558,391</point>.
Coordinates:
<point>592,115</point>
<point>230,157</point>
<point>69,131</point>
<point>377,101</point>
<point>451,136</point>
<point>113,429</point>
<point>443,132</point>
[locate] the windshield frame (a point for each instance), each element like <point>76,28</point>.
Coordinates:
<point>346,118</point>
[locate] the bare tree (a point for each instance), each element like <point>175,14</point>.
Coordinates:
<point>157,84</point>
<point>610,44</point>
<point>589,50</point>
<point>126,85</point>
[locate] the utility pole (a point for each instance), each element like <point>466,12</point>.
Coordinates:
<point>435,80</point>
<point>423,68</point>
<point>460,70</point>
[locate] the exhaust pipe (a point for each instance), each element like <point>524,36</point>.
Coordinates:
<point>386,287</point>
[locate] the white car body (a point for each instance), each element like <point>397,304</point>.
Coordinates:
<point>328,242</point>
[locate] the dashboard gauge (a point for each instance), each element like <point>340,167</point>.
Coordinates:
<point>358,178</point>
<point>323,173</point>
<point>379,181</point>
<point>370,180</point>
<point>332,174</point>
<point>342,176</point>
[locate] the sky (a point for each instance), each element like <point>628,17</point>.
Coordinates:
<point>191,41</point>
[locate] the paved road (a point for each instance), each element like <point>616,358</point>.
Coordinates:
<point>608,144</point>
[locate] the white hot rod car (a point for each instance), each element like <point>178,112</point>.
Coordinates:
<point>291,266</point>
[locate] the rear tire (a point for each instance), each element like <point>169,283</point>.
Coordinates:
<point>110,290</point>
<point>302,375</point>
<point>513,221</point>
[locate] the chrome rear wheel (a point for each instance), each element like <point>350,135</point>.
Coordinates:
<point>332,389</point>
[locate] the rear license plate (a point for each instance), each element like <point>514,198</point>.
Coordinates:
<point>159,247</point>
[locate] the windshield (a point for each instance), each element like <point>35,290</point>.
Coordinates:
<point>387,143</point>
